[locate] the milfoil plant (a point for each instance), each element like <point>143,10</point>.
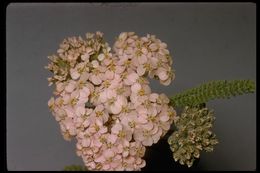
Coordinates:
<point>103,99</point>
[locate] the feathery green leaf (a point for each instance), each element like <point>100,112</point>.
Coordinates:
<point>212,90</point>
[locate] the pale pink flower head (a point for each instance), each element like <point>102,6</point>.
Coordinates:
<point>104,99</point>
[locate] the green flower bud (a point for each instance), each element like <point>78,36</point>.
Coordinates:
<point>193,135</point>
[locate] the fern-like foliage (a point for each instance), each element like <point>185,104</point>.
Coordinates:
<point>212,90</point>
<point>75,168</point>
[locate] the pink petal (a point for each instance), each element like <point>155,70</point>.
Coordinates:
<point>140,70</point>
<point>70,87</point>
<point>109,74</point>
<point>51,102</point>
<point>132,78</point>
<point>106,61</point>
<point>162,74</point>
<point>115,108</point>
<point>147,89</point>
<point>153,97</point>
<point>95,63</point>
<point>138,161</point>
<point>123,36</point>
<point>85,57</point>
<point>97,143</point>
<point>125,153</point>
<point>166,82</point>
<point>103,97</point>
<point>74,74</point>
<point>75,94</point>
<point>100,159</point>
<point>72,131</point>
<point>121,100</point>
<point>70,112</point>
<point>141,110</point>
<point>84,92</point>
<point>60,87</point>
<point>86,142</point>
<point>119,69</point>
<point>136,87</point>
<point>80,111</point>
<point>86,123</point>
<point>111,93</point>
<point>99,108</point>
<point>89,111</point>
<point>128,135</point>
<point>152,111</point>
<point>129,51</point>
<point>142,164</point>
<point>112,138</point>
<point>115,164</point>
<point>119,168</point>
<point>95,79</point>
<point>92,165</point>
<point>138,135</point>
<point>142,119</point>
<point>101,57</point>
<point>147,141</point>
<point>106,166</point>
<point>156,138</point>
<point>99,122</point>
<point>142,59</point>
<point>116,128</point>
<point>148,126</point>
<point>166,126</point>
<point>163,45</point>
<point>153,47</point>
<point>130,160</point>
<point>154,130</point>
<point>135,61</point>
<point>144,51</point>
<point>119,148</point>
<point>164,118</point>
<point>108,153</point>
<point>103,130</point>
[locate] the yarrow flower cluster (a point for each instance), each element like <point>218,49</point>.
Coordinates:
<point>103,98</point>
<point>194,134</point>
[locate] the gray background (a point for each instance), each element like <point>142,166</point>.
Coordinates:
<point>208,42</point>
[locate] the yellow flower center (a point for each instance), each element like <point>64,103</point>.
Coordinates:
<point>99,113</point>
<point>111,101</point>
<point>147,67</point>
<point>73,101</point>
<point>146,133</point>
<point>95,71</point>
<point>151,118</point>
<point>125,109</point>
<point>138,53</point>
<point>131,124</point>
<point>141,92</point>
<point>120,91</point>
<point>103,139</point>
<point>81,84</point>
<point>121,134</point>
<point>97,128</point>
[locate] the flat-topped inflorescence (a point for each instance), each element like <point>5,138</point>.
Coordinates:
<point>103,97</point>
